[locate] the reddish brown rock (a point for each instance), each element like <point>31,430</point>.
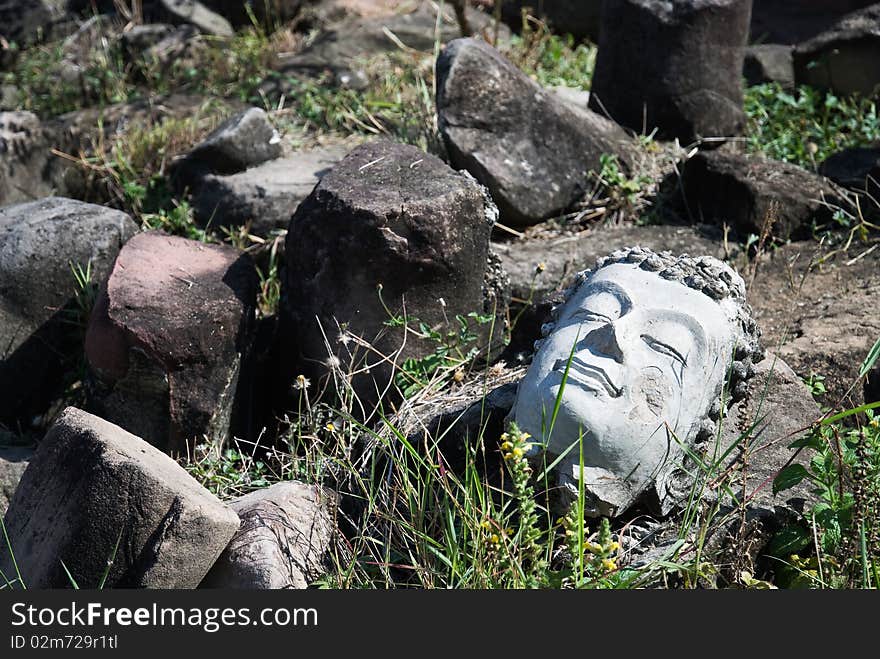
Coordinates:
<point>167,338</point>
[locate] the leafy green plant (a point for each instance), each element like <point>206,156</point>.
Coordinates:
<point>456,347</point>
<point>806,126</point>
<point>841,531</point>
<point>552,60</point>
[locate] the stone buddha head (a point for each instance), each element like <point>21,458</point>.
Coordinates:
<point>636,365</point>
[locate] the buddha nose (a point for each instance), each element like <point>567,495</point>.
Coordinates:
<point>603,342</point>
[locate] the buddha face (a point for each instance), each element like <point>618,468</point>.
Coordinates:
<point>635,361</point>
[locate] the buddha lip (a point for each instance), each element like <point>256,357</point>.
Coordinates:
<point>580,371</point>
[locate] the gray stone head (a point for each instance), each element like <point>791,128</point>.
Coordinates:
<point>641,357</point>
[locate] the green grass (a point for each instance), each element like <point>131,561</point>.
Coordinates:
<point>806,126</point>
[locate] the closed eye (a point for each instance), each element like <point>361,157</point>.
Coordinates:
<point>664,349</point>
<point>591,316</point>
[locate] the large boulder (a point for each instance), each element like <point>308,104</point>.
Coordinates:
<point>844,58</point>
<point>13,461</point>
<point>489,113</point>
<point>391,231</point>
<point>95,498</point>
<point>167,338</point>
<point>41,244</point>
<point>263,197</point>
<point>283,542</point>
<point>673,66</point>
<point>745,192</point>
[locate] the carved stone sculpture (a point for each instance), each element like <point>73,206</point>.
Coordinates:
<point>636,365</point>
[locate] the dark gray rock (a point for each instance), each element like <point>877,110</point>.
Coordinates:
<point>794,21</point>
<point>393,215</point>
<point>92,485</point>
<point>856,168</point>
<point>40,242</point>
<point>264,196</point>
<point>739,190</point>
<point>286,533</point>
<point>244,140</point>
<point>13,461</point>
<point>197,13</point>
<point>674,66</point>
<point>580,18</point>
<point>166,340</point>
<point>844,58</point>
<point>489,113</point>
<point>769,63</point>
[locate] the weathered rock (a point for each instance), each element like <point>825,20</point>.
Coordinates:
<point>817,308</point>
<point>391,215</point>
<point>264,196</point>
<point>580,18</point>
<point>794,21</point>
<point>489,113</point>
<point>342,48</point>
<point>286,533</point>
<point>91,486</point>
<point>167,338</point>
<point>674,66</point>
<point>13,461</point>
<point>244,140</point>
<point>778,410</point>
<point>740,191</point>
<point>856,168</point>
<point>28,170</point>
<point>192,11</point>
<point>769,63</point>
<point>40,243</point>
<point>845,58</point>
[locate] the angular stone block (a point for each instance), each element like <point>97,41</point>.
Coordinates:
<point>95,493</point>
<point>674,66</point>
<point>528,146</point>
<point>393,215</point>
<point>167,338</point>
<point>285,535</point>
<point>40,244</point>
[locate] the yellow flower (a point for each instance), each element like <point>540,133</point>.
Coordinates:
<point>494,539</point>
<point>301,382</point>
<point>330,427</point>
<point>609,565</point>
